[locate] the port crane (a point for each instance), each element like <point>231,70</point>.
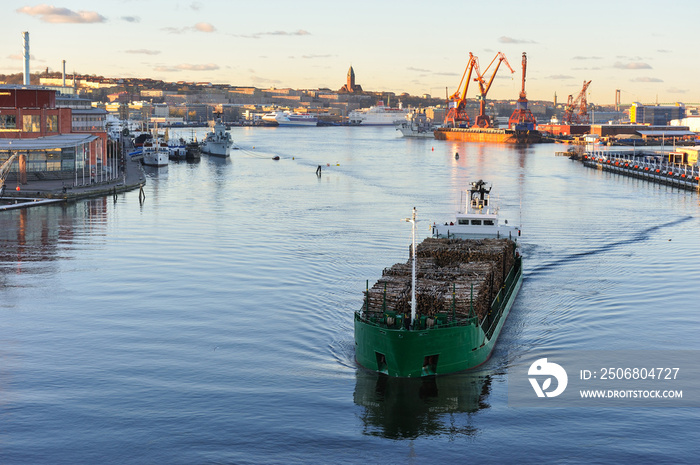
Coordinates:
<point>522,118</point>
<point>4,170</point>
<point>483,120</point>
<point>581,116</point>
<point>457,113</point>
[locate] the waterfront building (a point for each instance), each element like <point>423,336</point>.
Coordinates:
<point>659,115</point>
<point>53,138</point>
<point>350,85</point>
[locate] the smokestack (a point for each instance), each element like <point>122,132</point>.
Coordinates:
<point>25,36</point>
<point>64,73</point>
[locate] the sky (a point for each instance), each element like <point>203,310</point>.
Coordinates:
<point>646,49</point>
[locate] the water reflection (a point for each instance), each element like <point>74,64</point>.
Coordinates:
<point>405,408</point>
<point>38,234</point>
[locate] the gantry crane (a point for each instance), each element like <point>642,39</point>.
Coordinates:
<point>483,120</point>
<point>581,116</point>
<point>457,113</point>
<point>522,118</point>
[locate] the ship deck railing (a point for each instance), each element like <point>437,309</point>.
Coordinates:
<point>504,294</point>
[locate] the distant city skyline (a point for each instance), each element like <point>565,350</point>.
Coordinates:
<point>400,47</point>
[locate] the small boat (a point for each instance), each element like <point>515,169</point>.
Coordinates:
<point>443,310</point>
<point>218,142</point>
<point>477,218</point>
<point>177,149</point>
<point>155,153</point>
<point>287,118</point>
<point>193,150</point>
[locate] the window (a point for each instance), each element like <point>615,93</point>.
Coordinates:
<point>8,122</point>
<point>31,123</point>
<point>52,123</point>
<point>462,221</point>
<point>476,222</point>
<point>488,223</point>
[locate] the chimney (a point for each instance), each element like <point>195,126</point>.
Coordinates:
<point>64,73</point>
<point>25,36</point>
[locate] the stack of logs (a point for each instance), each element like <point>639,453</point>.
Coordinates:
<point>474,268</point>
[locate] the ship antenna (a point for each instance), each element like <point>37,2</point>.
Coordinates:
<point>413,262</point>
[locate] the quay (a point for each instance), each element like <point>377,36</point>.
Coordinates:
<point>47,191</point>
<point>649,166</point>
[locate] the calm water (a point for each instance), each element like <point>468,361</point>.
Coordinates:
<point>213,323</point>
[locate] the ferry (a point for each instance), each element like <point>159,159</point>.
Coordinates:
<point>461,291</point>
<point>155,153</point>
<point>287,118</point>
<point>378,115</point>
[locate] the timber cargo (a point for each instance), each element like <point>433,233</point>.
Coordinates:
<point>464,289</point>
<point>504,136</point>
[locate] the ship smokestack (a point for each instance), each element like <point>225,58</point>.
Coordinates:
<point>64,73</point>
<point>25,36</point>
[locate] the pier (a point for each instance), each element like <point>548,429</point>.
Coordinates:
<point>648,165</point>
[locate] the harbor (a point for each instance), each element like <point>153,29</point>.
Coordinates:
<point>130,317</point>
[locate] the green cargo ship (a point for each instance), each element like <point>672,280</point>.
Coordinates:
<point>442,311</point>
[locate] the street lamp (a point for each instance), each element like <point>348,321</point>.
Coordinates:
<point>413,222</point>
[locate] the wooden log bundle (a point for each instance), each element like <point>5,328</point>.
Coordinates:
<point>463,275</point>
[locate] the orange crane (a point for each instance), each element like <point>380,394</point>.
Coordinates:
<point>581,117</point>
<point>457,113</point>
<point>522,118</point>
<point>482,120</point>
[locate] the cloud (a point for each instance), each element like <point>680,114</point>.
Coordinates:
<point>646,79</point>
<point>187,67</point>
<point>631,65</point>
<point>418,70</point>
<point>52,14</point>
<point>199,27</point>
<point>510,40</point>
<point>20,57</point>
<point>257,35</point>
<point>143,51</point>
<point>261,80</point>
<point>196,6</point>
<point>131,19</point>
<point>559,77</point>
<point>311,57</point>
<point>204,27</point>
<point>661,50</point>
<point>676,90</point>
<point>586,58</point>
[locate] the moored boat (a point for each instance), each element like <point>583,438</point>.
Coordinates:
<point>378,115</point>
<point>416,124</point>
<point>218,142</point>
<point>461,292</point>
<point>155,153</point>
<point>476,134</point>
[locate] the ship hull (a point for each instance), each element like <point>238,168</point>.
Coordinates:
<point>503,136</point>
<point>449,348</point>
<point>216,149</point>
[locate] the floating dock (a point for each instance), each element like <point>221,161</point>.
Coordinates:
<point>649,166</point>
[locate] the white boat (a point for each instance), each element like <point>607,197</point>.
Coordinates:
<point>477,219</point>
<point>378,115</point>
<point>154,153</point>
<point>218,142</point>
<point>287,118</point>
<point>416,124</point>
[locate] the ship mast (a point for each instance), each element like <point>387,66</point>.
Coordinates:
<point>413,263</point>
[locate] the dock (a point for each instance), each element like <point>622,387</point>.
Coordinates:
<point>649,166</point>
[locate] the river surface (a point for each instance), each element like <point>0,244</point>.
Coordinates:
<point>213,323</point>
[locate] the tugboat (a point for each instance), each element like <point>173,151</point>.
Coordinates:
<point>443,310</point>
<point>218,142</point>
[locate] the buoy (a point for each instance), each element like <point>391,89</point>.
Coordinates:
<point>456,155</point>
<point>276,157</point>
<point>17,188</point>
<point>328,164</point>
<point>432,149</point>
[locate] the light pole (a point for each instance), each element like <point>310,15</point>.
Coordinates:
<point>413,221</point>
